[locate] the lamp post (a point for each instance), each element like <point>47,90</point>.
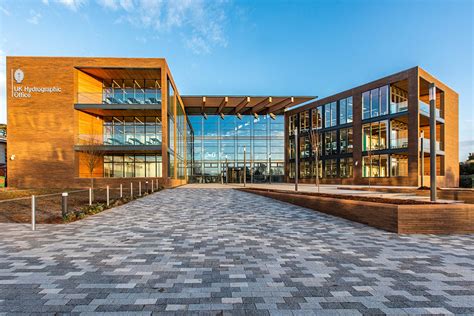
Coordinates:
<point>270,168</point>
<point>422,158</point>
<point>315,144</point>
<point>296,160</point>
<point>226,171</point>
<point>245,165</point>
<point>432,142</point>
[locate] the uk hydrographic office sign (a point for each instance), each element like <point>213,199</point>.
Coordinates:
<point>21,91</point>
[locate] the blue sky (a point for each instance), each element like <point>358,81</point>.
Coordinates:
<point>257,47</point>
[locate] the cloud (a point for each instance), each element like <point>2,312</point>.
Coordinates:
<point>34,17</point>
<point>200,22</point>
<point>73,5</point>
<point>4,11</point>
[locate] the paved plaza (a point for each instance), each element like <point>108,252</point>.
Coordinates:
<point>214,251</point>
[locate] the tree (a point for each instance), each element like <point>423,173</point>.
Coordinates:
<point>92,154</point>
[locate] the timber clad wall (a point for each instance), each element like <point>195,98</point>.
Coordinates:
<point>43,129</point>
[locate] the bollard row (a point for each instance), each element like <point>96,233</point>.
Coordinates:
<point>64,198</point>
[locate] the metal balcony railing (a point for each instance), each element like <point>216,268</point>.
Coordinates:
<point>399,143</point>
<point>119,98</point>
<point>425,109</point>
<point>426,145</point>
<point>120,140</point>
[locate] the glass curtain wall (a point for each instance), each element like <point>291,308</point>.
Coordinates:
<point>128,91</point>
<point>219,146</point>
<point>132,130</point>
<point>132,166</point>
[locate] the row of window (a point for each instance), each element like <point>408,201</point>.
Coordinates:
<point>327,114</point>
<point>372,166</point>
<point>374,137</point>
<point>132,166</point>
<point>328,140</point>
<point>132,130</point>
<point>376,102</point>
<point>383,100</point>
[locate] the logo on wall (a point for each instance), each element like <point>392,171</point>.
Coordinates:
<point>27,91</point>
<point>19,75</point>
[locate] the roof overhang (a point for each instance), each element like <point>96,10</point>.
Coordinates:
<point>222,104</point>
<point>122,73</point>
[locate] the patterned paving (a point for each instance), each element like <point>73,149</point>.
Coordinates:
<point>210,251</point>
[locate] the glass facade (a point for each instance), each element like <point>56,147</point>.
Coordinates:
<point>220,144</point>
<point>132,130</point>
<point>125,91</point>
<point>375,102</point>
<point>131,166</point>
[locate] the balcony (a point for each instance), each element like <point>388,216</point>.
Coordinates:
<point>397,107</point>
<point>426,146</point>
<point>106,97</point>
<point>132,143</point>
<point>399,143</point>
<point>425,110</point>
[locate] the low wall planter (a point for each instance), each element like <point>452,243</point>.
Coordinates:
<point>398,216</point>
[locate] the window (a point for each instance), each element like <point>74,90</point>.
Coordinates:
<point>305,169</point>
<point>327,115</point>
<point>330,166</point>
<point>349,110</point>
<point>375,166</point>
<point>346,167</point>
<point>132,166</point>
<point>342,111</point>
<point>305,147</point>
<point>374,136</point>
<point>317,118</point>
<point>291,124</point>
<point>345,110</point>
<point>366,105</point>
<point>398,100</point>
<point>399,165</point>
<point>345,140</point>
<point>375,102</point>
<point>398,134</point>
<point>304,121</point>
<point>319,170</point>
<point>330,139</point>
<point>333,113</point>
<point>330,114</point>
<point>291,152</point>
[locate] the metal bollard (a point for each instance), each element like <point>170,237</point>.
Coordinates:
<point>131,190</point>
<point>146,186</point>
<point>108,196</point>
<point>152,189</point>
<point>121,191</point>
<point>139,188</point>
<point>64,204</point>
<point>90,196</point>
<point>33,212</point>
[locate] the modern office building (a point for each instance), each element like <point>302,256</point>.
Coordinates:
<point>377,133</point>
<point>72,119</point>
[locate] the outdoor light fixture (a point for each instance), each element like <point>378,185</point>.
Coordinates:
<point>12,157</point>
<point>204,115</point>
<point>239,116</point>
<point>255,115</point>
<point>272,116</point>
<point>432,92</point>
<point>221,115</point>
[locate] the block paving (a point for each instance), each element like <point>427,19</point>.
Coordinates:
<point>221,251</point>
